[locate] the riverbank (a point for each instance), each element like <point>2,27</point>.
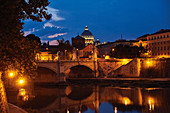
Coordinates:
<point>15,109</point>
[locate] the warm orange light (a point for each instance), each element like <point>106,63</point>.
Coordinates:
<point>115,109</point>
<point>25,98</point>
<point>149,63</point>
<point>150,100</point>
<point>68,111</point>
<point>11,74</point>
<point>126,101</point>
<point>22,92</point>
<point>107,57</point>
<point>125,61</point>
<point>21,81</point>
<point>113,49</point>
<point>151,103</point>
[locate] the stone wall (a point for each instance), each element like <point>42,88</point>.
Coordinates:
<point>131,69</point>
<point>156,68</point>
<point>3,100</point>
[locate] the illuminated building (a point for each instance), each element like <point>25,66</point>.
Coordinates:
<point>87,52</point>
<point>48,52</point>
<point>88,36</point>
<point>159,43</point>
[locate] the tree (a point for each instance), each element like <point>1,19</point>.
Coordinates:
<point>126,51</point>
<point>16,51</point>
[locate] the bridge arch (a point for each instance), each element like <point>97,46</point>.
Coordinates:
<point>51,67</point>
<point>46,75</point>
<point>79,71</point>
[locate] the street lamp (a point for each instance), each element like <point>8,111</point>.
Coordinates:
<point>113,49</point>
<point>21,81</point>
<point>11,74</point>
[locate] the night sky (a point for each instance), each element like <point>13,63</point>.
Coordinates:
<point>106,19</point>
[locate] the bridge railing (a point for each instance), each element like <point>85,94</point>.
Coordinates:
<point>64,60</point>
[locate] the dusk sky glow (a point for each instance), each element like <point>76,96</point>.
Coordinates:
<point>106,19</point>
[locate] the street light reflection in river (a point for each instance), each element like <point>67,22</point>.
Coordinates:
<point>151,104</point>
<point>115,109</point>
<point>126,101</point>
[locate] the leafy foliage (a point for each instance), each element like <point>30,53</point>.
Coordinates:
<point>126,51</point>
<point>16,51</point>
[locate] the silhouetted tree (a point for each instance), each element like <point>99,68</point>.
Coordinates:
<point>125,51</point>
<point>16,51</point>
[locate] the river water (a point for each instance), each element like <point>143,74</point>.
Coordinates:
<point>91,98</point>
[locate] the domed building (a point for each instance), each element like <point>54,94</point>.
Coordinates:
<point>88,36</point>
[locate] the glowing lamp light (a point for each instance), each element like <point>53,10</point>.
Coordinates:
<point>149,62</point>
<point>113,49</point>
<point>22,92</point>
<point>68,111</point>
<point>107,57</point>
<point>11,74</point>
<point>126,101</point>
<point>150,100</point>
<point>151,104</point>
<point>115,109</point>
<point>25,98</point>
<point>21,81</point>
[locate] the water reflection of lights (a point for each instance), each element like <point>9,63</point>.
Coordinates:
<point>126,101</point>
<point>22,92</point>
<point>25,98</point>
<point>151,104</point>
<point>115,109</point>
<point>68,111</point>
<point>149,89</point>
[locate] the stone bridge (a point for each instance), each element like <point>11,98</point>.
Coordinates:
<point>59,70</point>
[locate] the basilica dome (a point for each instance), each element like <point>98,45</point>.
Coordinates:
<point>86,32</point>
<point>88,36</point>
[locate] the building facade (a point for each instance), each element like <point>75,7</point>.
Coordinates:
<point>159,43</point>
<point>87,52</point>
